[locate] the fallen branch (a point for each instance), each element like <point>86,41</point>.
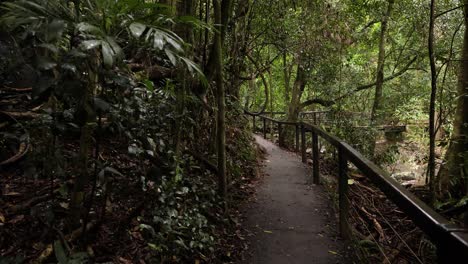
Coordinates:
<point>27,114</point>
<point>20,90</point>
<point>377,225</point>
<point>30,203</point>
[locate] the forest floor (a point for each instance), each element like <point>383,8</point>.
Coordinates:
<point>290,219</point>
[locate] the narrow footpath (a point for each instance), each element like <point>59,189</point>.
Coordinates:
<point>290,219</point>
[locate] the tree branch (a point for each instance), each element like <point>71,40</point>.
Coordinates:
<point>328,103</point>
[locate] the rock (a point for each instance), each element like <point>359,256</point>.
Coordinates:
<point>404,176</point>
<point>308,150</point>
<point>309,162</point>
<point>408,184</point>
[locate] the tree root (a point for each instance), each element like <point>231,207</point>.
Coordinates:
<point>49,249</point>
<point>23,149</point>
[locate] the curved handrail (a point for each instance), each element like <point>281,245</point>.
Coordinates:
<point>451,240</point>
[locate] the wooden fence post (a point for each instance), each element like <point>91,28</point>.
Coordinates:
<point>303,144</point>
<point>280,130</point>
<point>272,131</point>
<point>254,124</point>
<point>316,159</point>
<point>297,138</point>
<point>264,128</point>
<point>343,194</point>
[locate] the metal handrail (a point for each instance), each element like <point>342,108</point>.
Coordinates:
<point>450,239</point>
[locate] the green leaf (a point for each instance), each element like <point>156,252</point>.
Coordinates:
<point>44,63</point>
<point>88,28</point>
<point>91,44</point>
<point>60,253</point>
<point>115,47</point>
<point>137,29</point>
<point>107,54</point>
<point>49,47</point>
<point>171,56</point>
<point>149,85</point>
<point>158,39</point>
<point>462,202</point>
<point>69,67</point>
<point>56,29</point>
<point>79,258</point>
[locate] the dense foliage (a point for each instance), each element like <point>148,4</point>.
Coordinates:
<point>122,134</point>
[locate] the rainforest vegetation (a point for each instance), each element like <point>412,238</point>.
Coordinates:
<point>123,129</point>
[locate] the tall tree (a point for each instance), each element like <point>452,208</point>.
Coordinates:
<point>221,126</point>
<point>455,170</point>
<point>381,63</point>
<point>431,164</point>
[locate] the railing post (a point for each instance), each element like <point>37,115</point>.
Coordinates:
<point>264,127</point>
<point>254,124</point>
<point>297,138</point>
<point>303,144</point>
<point>280,130</point>
<point>343,194</point>
<point>272,131</point>
<point>316,159</point>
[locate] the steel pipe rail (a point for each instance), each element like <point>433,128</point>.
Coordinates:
<point>451,240</point>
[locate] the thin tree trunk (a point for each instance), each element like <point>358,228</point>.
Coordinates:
<point>78,193</point>
<point>380,64</point>
<point>431,164</point>
<point>221,129</point>
<point>287,77</point>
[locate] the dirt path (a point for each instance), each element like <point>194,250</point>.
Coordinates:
<point>290,220</point>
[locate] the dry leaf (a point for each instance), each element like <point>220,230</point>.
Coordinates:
<point>16,219</point>
<point>12,194</point>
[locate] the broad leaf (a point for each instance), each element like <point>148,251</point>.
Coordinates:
<point>60,253</point>
<point>137,29</point>
<point>90,44</point>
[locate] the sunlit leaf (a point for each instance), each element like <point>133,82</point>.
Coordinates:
<point>137,29</point>
<point>86,27</point>
<point>107,54</point>
<point>90,44</point>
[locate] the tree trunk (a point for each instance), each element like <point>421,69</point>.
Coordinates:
<point>298,88</point>
<point>287,77</point>
<point>431,163</point>
<point>87,118</point>
<point>453,175</point>
<point>221,129</point>
<point>380,64</point>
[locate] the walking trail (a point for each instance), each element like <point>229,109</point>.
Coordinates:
<point>290,219</point>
